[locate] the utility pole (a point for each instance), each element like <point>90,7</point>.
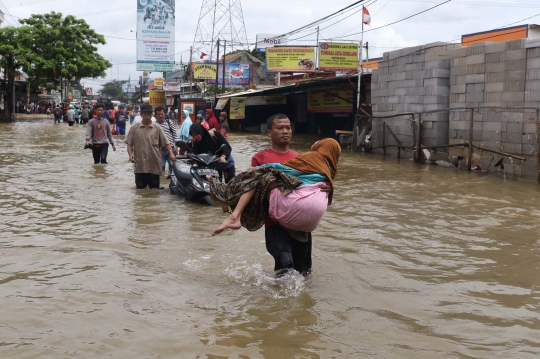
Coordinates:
<point>141,88</point>
<point>367,56</point>
<point>223,76</point>
<point>189,65</point>
<point>217,73</point>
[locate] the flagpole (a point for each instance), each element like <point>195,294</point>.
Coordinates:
<point>360,70</point>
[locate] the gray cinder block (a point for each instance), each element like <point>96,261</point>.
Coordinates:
<point>476,87</point>
<point>458,88</point>
<point>476,69</point>
<point>437,81</point>
<point>515,44</point>
<point>495,77</point>
<point>495,47</point>
<point>533,63</point>
<point>514,75</point>
<point>494,86</point>
<point>534,52</point>
<point>458,70</point>
<point>515,65</point>
<point>437,64</point>
<point>474,97</point>
<point>436,100</point>
<point>474,78</point>
<point>494,67</point>
<point>475,59</point>
<point>532,96</point>
<point>457,98</point>
<point>476,49</point>
<point>514,85</point>
<point>513,96</point>
<point>437,90</point>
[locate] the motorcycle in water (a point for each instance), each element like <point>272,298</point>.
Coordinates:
<point>188,177</point>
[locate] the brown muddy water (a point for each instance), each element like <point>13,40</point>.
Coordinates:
<point>410,261</point>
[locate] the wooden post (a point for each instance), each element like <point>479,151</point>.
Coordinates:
<point>469,154</point>
<point>384,138</point>
<point>397,140</point>
<point>417,154</point>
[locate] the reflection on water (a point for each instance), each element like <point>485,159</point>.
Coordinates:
<point>409,262</point>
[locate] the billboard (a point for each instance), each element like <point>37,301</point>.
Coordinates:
<point>155,35</point>
<point>156,98</point>
<point>238,108</point>
<point>235,75</point>
<point>172,86</point>
<point>269,40</point>
<point>158,82</point>
<point>331,101</point>
<point>338,57</point>
<point>204,71</point>
<point>290,59</point>
<point>88,91</point>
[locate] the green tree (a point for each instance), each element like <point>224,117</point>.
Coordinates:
<point>55,47</point>
<point>112,89</point>
<point>48,48</point>
<point>259,55</point>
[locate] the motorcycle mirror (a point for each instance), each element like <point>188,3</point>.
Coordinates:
<point>222,149</point>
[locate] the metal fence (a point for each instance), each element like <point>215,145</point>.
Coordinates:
<point>480,138</point>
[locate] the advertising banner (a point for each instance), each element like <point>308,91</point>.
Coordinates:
<point>204,71</point>
<point>235,75</point>
<point>172,86</point>
<point>156,98</point>
<point>88,91</point>
<point>269,40</point>
<point>333,100</point>
<point>338,57</point>
<point>290,59</point>
<point>155,35</point>
<point>158,82</point>
<point>238,108</point>
<point>266,100</point>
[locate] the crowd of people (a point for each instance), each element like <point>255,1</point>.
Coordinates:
<point>286,192</point>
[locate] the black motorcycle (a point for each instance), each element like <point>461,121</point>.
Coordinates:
<point>188,177</point>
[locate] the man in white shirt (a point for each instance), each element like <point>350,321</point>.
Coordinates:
<point>138,119</point>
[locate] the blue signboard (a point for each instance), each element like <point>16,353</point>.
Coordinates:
<point>235,75</point>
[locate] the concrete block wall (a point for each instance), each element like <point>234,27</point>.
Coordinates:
<point>439,75</point>
<point>505,74</point>
<point>413,79</point>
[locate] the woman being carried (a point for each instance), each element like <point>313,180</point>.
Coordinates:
<point>289,193</point>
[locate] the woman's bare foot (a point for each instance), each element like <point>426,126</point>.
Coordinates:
<point>231,222</point>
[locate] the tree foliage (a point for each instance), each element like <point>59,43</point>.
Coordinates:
<point>52,47</point>
<point>112,89</point>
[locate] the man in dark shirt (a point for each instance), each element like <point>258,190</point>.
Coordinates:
<point>121,120</point>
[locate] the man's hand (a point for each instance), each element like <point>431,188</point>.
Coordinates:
<point>222,159</point>
<point>172,156</point>
<point>87,143</point>
<point>325,188</point>
<point>132,158</point>
<point>114,148</point>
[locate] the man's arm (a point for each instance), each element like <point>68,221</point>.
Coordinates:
<point>109,135</point>
<point>89,132</point>
<point>130,153</point>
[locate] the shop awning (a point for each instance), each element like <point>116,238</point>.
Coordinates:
<point>222,102</point>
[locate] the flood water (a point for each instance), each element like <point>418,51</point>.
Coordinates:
<point>410,261</point>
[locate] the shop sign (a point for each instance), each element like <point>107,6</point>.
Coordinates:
<point>290,59</point>
<point>266,100</point>
<point>158,82</point>
<point>269,40</point>
<point>331,101</point>
<point>235,75</point>
<point>88,91</point>
<point>156,98</point>
<point>338,57</point>
<point>238,108</point>
<point>172,86</point>
<point>205,71</point>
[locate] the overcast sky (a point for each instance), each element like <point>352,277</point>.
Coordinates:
<point>117,18</point>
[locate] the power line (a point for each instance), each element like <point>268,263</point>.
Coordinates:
<point>395,22</point>
<point>482,3</point>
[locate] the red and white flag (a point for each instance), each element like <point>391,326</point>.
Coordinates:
<point>203,55</point>
<point>366,18</point>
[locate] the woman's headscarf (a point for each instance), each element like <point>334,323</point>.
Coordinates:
<point>225,123</point>
<point>212,120</point>
<point>322,158</point>
<point>207,143</point>
<point>185,134</point>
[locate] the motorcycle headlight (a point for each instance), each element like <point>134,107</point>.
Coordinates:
<point>195,183</point>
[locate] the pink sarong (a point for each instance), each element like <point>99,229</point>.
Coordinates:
<point>302,210</point>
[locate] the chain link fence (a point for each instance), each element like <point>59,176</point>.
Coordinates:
<point>483,139</point>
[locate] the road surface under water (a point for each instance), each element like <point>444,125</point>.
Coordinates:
<point>410,261</point>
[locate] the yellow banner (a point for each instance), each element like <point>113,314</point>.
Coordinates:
<point>156,98</point>
<point>238,108</point>
<point>158,82</point>
<point>332,100</point>
<point>290,59</point>
<point>338,57</point>
<point>204,72</point>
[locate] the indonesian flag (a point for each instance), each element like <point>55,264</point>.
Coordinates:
<point>366,18</point>
<point>203,55</point>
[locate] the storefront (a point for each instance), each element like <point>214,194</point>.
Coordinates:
<point>314,106</point>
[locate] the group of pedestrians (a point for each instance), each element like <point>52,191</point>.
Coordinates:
<point>288,220</point>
